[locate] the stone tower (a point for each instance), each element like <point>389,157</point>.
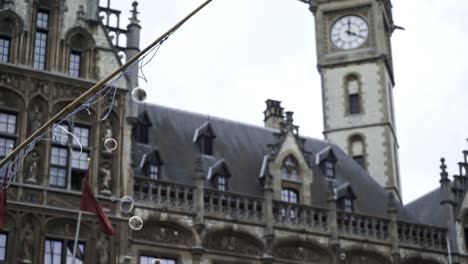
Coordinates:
<point>355,64</point>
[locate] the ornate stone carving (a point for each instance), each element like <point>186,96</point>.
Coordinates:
<point>105,174</point>
<point>32,196</point>
<point>12,80</point>
<point>40,87</point>
<point>233,242</point>
<point>166,234</point>
<point>27,240</point>
<point>35,118</point>
<point>299,252</point>
<point>32,165</point>
<point>102,249</point>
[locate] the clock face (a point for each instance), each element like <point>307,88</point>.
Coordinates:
<point>349,32</point>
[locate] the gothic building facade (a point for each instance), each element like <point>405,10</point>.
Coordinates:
<point>211,190</point>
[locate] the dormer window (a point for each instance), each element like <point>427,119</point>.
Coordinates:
<point>204,137</point>
<point>141,129</point>
<point>206,145</point>
<point>290,169</point>
<point>329,168</point>
<point>221,182</point>
<point>151,164</point>
<point>346,197</point>
<point>219,174</point>
<point>326,159</point>
<point>153,171</point>
<point>346,204</point>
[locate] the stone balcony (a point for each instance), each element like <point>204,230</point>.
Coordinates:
<point>228,206</point>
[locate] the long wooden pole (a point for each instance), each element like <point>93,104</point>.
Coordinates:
<point>97,86</point>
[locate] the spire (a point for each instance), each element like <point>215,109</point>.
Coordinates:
<point>443,170</point>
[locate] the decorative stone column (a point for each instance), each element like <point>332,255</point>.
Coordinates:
<point>448,203</point>
<point>334,242</point>
<point>198,198</point>
<point>392,211</point>
<point>269,232</point>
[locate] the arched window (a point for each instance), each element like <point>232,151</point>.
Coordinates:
<point>289,195</point>
<point>354,95</point>
<point>79,59</point>
<point>290,169</point>
<point>357,149</point>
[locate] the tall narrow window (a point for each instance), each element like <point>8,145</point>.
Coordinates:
<point>40,43</point>
<point>221,182</point>
<point>290,169</point>
<point>4,49</point>
<point>74,67</point>
<point>346,204</point>
<point>354,104</point>
<point>149,260</point>
<point>329,168</point>
<point>357,149</point>
<point>7,134</point>
<point>154,171</point>
<point>3,246</point>
<point>206,145</point>
<point>354,97</point>
<point>69,157</point>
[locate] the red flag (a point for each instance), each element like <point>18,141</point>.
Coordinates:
<point>89,203</point>
<point>3,199</point>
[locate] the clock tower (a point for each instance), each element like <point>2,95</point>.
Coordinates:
<point>355,64</point>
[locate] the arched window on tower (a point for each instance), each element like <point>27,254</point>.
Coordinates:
<point>354,94</point>
<point>290,169</point>
<point>357,149</point>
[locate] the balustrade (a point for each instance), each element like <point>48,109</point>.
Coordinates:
<point>422,236</point>
<point>163,194</point>
<point>362,225</point>
<point>233,206</point>
<point>295,214</point>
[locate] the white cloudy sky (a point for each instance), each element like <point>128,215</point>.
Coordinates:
<point>235,54</point>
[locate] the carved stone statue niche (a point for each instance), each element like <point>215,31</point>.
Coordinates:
<point>27,238</point>
<point>102,249</point>
<point>35,118</point>
<point>31,169</point>
<point>107,133</point>
<point>105,174</point>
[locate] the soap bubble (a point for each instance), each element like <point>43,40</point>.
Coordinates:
<point>139,94</point>
<point>156,261</point>
<point>110,144</point>
<point>135,223</point>
<point>126,204</point>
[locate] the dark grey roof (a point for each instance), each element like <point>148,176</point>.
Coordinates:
<point>243,148</point>
<point>428,210</point>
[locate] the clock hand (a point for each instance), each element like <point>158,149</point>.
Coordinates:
<point>351,33</point>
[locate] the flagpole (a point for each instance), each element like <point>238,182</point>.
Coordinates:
<point>75,245</point>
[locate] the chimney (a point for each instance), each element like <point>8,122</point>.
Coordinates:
<point>273,114</point>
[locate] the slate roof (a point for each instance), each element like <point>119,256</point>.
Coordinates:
<point>427,209</point>
<point>243,148</point>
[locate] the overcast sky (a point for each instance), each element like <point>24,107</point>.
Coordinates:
<point>235,54</point>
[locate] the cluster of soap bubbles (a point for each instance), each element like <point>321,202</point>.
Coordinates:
<point>126,205</point>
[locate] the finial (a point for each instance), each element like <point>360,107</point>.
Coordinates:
<point>443,168</point>
<point>134,12</point>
